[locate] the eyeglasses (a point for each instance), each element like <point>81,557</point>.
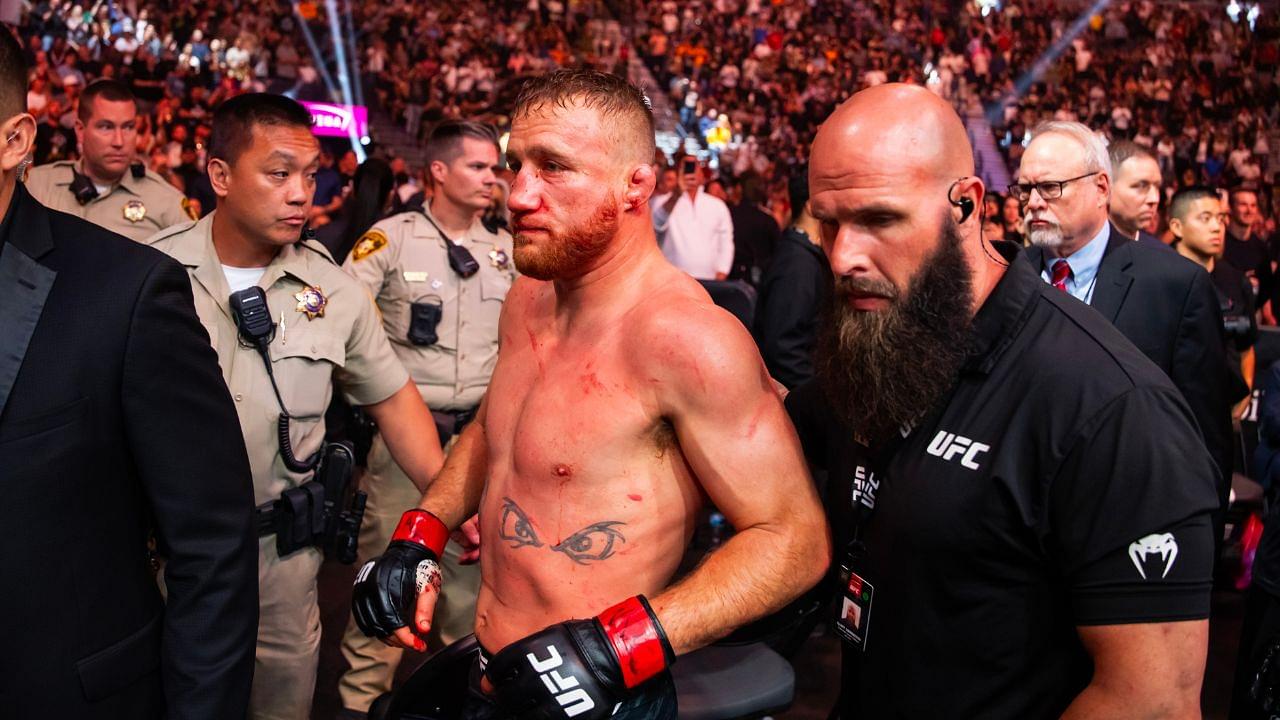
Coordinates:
<point>1048,189</point>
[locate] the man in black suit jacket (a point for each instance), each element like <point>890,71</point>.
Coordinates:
<point>1164,303</point>
<point>114,421</point>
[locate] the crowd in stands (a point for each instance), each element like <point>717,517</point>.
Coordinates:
<point>748,80</point>
<point>752,79</point>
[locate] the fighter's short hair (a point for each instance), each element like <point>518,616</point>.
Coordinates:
<point>234,120</point>
<point>107,89</point>
<point>1182,200</point>
<point>13,75</point>
<point>445,142</point>
<point>609,95</point>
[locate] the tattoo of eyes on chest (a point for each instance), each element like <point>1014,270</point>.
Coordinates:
<point>593,543</point>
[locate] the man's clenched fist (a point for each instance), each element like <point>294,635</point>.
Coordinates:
<point>581,668</point>
<point>386,590</point>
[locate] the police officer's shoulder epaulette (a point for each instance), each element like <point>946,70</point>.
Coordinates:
<point>317,247</point>
<point>170,232</point>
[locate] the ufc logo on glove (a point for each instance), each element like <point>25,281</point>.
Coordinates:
<point>572,698</point>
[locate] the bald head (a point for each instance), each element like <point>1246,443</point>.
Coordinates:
<point>894,128</point>
<point>891,180</point>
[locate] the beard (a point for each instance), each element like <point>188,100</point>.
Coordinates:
<point>571,253</point>
<point>884,370</point>
<point>1048,238</point>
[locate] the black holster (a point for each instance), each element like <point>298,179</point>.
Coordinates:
<point>317,512</point>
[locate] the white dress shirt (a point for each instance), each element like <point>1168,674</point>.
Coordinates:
<point>697,236</point>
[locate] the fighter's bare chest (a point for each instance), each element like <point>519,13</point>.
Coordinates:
<point>552,407</point>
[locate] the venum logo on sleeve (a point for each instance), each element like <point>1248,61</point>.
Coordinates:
<point>1161,544</point>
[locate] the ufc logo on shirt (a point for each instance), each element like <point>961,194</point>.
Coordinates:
<point>949,446</point>
<point>865,485</point>
<point>572,698</point>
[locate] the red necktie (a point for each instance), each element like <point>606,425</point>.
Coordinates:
<point>1061,271</point>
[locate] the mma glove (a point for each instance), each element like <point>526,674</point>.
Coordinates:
<point>581,669</point>
<point>386,591</point>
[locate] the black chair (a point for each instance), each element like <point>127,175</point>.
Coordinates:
<point>436,690</point>
<point>735,296</point>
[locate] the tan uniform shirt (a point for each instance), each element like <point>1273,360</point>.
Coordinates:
<point>326,327</point>
<point>403,260</point>
<point>135,207</point>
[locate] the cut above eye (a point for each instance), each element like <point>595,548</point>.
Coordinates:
<point>591,543</point>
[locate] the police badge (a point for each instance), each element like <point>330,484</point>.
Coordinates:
<point>135,211</point>
<point>311,301</point>
<point>498,258</point>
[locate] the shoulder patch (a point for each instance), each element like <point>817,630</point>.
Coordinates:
<point>368,244</point>
<point>188,209</point>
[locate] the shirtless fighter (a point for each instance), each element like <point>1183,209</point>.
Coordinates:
<point>621,395</point>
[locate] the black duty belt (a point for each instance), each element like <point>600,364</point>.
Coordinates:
<point>451,422</point>
<point>301,511</point>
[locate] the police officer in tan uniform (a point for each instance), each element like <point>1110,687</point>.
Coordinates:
<point>108,186</point>
<point>444,328</point>
<point>262,167</point>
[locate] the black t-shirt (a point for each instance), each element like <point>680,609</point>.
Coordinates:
<point>1253,258</point>
<point>1063,483</point>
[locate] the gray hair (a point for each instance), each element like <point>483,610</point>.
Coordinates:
<point>1095,154</point>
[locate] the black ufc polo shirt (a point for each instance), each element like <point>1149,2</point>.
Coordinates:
<point>1063,483</point>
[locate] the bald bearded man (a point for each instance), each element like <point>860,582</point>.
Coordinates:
<point>1021,518</point>
<point>621,398</point>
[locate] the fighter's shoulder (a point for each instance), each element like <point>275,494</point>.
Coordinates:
<point>679,328</point>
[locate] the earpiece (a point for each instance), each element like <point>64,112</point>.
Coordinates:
<point>964,203</point>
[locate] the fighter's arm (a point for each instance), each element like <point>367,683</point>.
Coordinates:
<point>736,437</point>
<point>1143,670</point>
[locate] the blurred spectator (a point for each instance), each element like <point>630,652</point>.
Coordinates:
<point>1245,247</point>
<point>368,202</point>
<point>1198,225</point>
<point>694,229</point>
<point>755,232</point>
<point>1010,219</point>
<point>795,289</point>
